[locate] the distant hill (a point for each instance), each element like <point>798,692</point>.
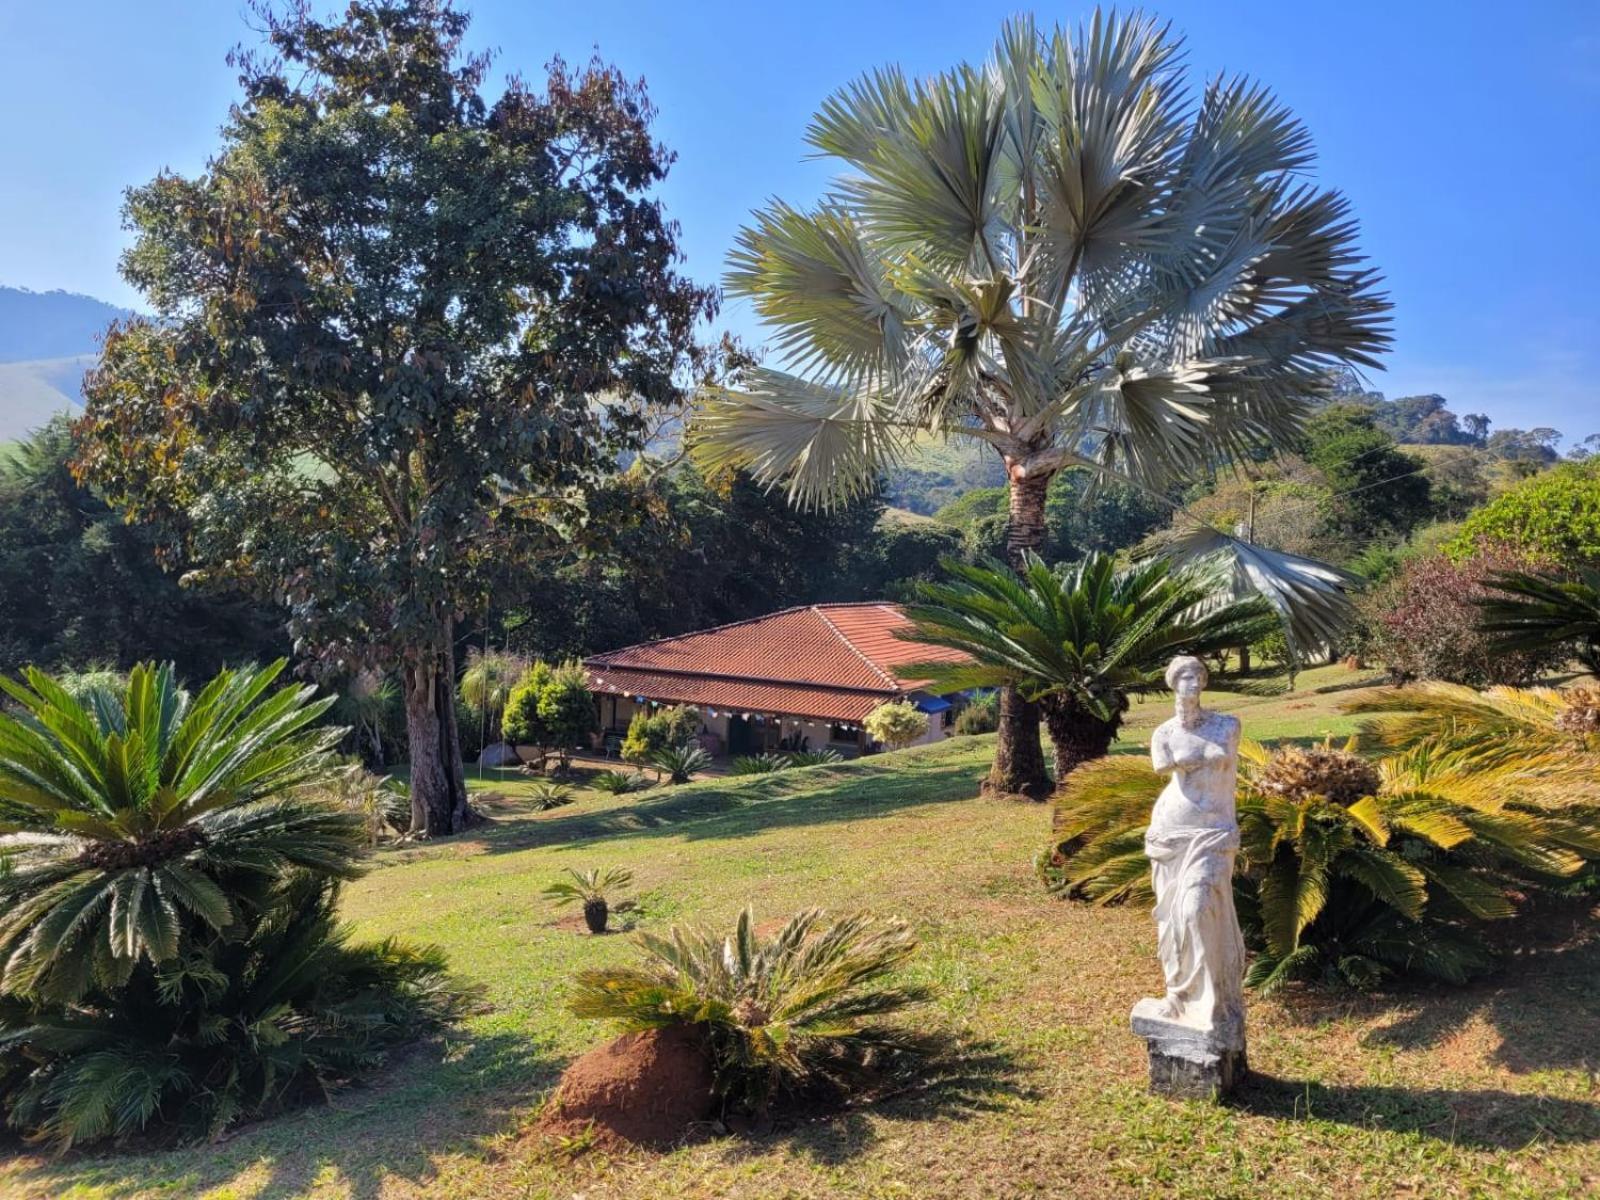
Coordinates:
<point>47,341</point>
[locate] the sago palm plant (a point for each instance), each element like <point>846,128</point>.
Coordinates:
<point>285,1012</point>
<point>1064,254</point>
<point>595,889</point>
<point>1079,640</point>
<point>796,1012</point>
<point>1348,869</point>
<point>133,822</point>
<point>678,764</point>
<point>1535,610</point>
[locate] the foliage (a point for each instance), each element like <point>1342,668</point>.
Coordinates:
<point>758,764</point>
<point>392,385</point>
<point>1078,639</point>
<point>128,828</point>
<point>1082,513</point>
<point>1534,611</point>
<point>369,704</point>
<point>378,800</point>
<point>549,707</point>
<point>1349,871</point>
<point>80,585</point>
<point>485,688</point>
<point>793,1013</point>
<point>982,715</point>
<point>1056,253</point>
<point>896,724</point>
<point>678,764</point>
<point>649,733</point>
<point>1378,490</point>
<point>825,757</point>
<point>170,956</point>
<point>549,793</point>
<point>1423,623</point>
<point>587,886</point>
<point>240,1028</point>
<point>1553,517</point>
<point>619,783</point>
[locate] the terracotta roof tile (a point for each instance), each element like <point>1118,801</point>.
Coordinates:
<point>833,660</point>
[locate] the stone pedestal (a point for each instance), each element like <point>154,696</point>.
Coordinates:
<point>1188,1062</point>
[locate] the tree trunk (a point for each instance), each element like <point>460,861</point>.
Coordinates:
<point>1018,768</point>
<point>438,775</point>
<point>1076,737</point>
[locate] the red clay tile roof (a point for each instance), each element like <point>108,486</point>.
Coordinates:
<point>823,660</point>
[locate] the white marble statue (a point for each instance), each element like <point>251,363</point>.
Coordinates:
<point>1192,840</point>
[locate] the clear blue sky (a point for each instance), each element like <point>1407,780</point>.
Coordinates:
<point>1467,134</point>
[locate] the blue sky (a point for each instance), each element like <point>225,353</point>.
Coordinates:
<point>1467,135</point>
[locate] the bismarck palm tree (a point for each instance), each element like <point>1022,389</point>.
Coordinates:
<point>1063,254</point>
<point>1079,640</point>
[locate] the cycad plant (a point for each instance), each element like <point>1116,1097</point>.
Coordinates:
<point>549,793</point>
<point>1079,640</point>
<point>1535,610</point>
<point>595,888</point>
<point>619,783</point>
<point>759,764</point>
<point>797,1012</point>
<point>1349,869</point>
<point>678,764</point>
<point>169,956</point>
<point>130,823</point>
<point>1064,254</point>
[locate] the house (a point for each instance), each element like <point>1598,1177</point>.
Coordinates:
<point>799,679</point>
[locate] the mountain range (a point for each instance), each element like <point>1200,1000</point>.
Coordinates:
<point>47,341</point>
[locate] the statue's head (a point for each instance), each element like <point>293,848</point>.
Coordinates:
<point>1187,677</point>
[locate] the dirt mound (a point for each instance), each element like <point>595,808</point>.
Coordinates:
<point>645,1088</point>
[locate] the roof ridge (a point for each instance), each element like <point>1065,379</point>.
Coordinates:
<point>856,650</point>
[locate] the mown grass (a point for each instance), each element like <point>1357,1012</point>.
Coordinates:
<point>1484,1091</point>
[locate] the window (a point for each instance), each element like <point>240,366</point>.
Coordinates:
<point>838,733</point>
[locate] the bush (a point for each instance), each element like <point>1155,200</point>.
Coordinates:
<point>678,764</point>
<point>548,794</point>
<point>380,802</point>
<point>1350,871</point>
<point>550,708</point>
<point>896,724</point>
<point>1552,518</point>
<point>795,1013</point>
<point>619,783</point>
<point>651,733</point>
<point>169,954</point>
<point>1423,624</point>
<point>759,764</point>
<point>980,716</point>
<point>485,688</point>
<point>815,758</point>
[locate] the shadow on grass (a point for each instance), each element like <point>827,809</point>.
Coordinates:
<point>979,1078</point>
<point>445,1095</point>
<point>1542,1003</point>
<point>753,805</point>
<point>1494,1120</point>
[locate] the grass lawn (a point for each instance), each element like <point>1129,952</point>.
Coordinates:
<point>1486,1091</point>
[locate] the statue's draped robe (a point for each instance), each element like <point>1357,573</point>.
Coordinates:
<point>1201,951</point>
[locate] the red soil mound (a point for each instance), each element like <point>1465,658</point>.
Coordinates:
<point>645,1088</point>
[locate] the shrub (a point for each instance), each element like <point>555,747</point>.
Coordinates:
<point>678,764</point>
<point>794,1013</point>
<point>896,724</point>
<point>618,783</point>
<point>520,722</point>
<point>1553,517</point>
<point>169,953</point>
<point>550,708</point>
<point>485,688</point>
<point>815,758</point>
<point>650,733</point>
<point>380,802</point>
<point>1349,871</point>
<point>1423,624</point>
<point>593,888</point>
<point>548,794</point>
<point>980,716</point>
<point>759,764</point>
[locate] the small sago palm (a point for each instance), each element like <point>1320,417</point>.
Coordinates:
<point>548,793</point>
<point>1080,639</point>
<point>618,783</point>
<point>759,764</point>
<point>796,1012</point>
<point>678,764</point>
<point>595,888</point>
<point>1062,253</point>
<point>1535,611</point>
<point>133,822</point>
<point>1348,869</point>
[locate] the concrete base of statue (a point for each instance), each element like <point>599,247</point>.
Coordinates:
<point>1186,1061</point>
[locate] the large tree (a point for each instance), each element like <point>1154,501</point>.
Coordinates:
<point>1061,253</point>
<point>402,332</point>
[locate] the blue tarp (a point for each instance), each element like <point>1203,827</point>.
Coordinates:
<point>933,704</point>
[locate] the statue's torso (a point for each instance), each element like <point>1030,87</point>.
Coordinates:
<point>1204,762</point>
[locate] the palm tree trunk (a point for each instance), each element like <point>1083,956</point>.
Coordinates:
<point>1076,737</point>
<point>1018,768</point>
<point>438,775</point>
